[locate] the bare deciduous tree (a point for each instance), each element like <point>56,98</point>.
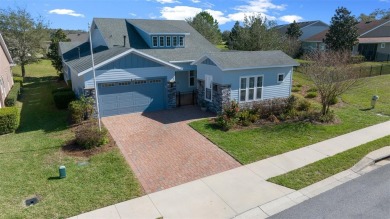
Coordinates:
<point>332,75</point>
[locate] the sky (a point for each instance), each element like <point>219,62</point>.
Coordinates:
<point>76,14</point>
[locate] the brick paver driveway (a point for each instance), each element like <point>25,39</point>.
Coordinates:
<point>164,151</point>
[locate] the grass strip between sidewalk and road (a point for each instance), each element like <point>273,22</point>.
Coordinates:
<point>322,169</point>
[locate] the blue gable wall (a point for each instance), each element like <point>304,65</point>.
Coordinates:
<point>130,61</point>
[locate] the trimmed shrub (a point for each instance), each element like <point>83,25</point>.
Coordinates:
<point>9,120</point>
<point>327,118</point>
<point>61,89</point>
<point>224,122</point>
<point>89,136</point>
<point>18,80</point>
<point>244,117</point>
<point>311,95</point>
<point>81,110</point>
<point>62,99</point>
<point>313,89</point>
<point>13,95</point>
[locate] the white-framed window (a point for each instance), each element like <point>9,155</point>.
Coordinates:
<point>383,45</point>
<point>181,41</point>
<point>155,41</point>
<point>174,41</point>
<point>208,91</point>
<point>168,38</point>
<point>280,78</point>
<point>2,88</point>
<point>251,88</point>
<point>191,78</point>
<point>162,41</point>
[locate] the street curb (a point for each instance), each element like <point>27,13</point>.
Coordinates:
<point>367,164</point>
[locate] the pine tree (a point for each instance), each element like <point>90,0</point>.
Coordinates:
<point>206,25</point>
<point>342,34</point>
<point>294,31</point>
<point>55,38</point>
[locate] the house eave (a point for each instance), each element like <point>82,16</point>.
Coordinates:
<point>258,67</point>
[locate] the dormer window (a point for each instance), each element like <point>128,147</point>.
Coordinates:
<point>174,41</point>
<point>155,41</point>
<point>168,41</point>
<point>181,41</point>
<point>162,41</point>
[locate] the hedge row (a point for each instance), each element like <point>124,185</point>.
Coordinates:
<point>63,97</point>
<point>9,120</point>
<point>18,80</point>
<point>13,95</point>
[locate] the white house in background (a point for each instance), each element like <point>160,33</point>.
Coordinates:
<point>6,79</point>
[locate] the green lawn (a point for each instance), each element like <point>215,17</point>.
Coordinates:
<point>29,161</point>
<point>322,169</point>
<point>250,145</point>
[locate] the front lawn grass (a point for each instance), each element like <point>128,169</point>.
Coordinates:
<point>322,169</point>
<point>29,161</point>
<point>253,144</point>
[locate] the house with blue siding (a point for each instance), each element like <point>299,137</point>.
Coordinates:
<point>150,65</point>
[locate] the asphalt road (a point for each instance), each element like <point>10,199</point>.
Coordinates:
<point>367,196</point>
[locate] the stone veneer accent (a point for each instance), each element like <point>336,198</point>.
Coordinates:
<point>219,99</point>
<point>171,93</point>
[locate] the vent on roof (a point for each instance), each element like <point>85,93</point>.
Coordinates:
<point>367,22</point>
<point>124,41</point>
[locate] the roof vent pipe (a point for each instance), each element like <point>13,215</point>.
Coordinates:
<point>124,41</point>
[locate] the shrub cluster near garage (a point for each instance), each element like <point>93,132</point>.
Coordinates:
<point>89,136</point>
<point>13,95</point>
<point>62,97</point>
<point>18,80</point>
<point>9,120</point>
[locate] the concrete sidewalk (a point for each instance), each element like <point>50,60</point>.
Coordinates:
<point>235,192</point>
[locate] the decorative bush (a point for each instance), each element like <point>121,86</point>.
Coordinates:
<point>224,122</point>
<point>313,89</point>
<point>231,110</point>
<point>9,120</point>
<point>81,110</point>
<point>244,117</point>
<point>13,95</point>
<point>62,99</point>
<point>333,101</point>
<point>18,80</point>
<point>327,118</point>
<point>89,136</point>
<point>296,89</point>
<point>311,95</point>
<point>298,85</point>
<point>303,105</point>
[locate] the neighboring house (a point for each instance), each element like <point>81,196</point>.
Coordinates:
<point>374,40</point>
<point>6,79</point>
<point>148,65</point>
<point>77,37</point>
<point>309,28</point>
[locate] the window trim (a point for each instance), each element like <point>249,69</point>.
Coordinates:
<point>247,88</point>
<point>211,89</point>
<point>189,78</point>
<point>154,37</point>
<point>383,45</point>
<point>181,44</point>
<point>170,41</point>
<point>278,78</point>
<point>159,41</point>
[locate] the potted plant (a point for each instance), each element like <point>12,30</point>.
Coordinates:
<point>203,105</point>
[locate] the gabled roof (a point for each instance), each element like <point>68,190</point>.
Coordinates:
<point>84,64</point>
<point>114,29</point>
<point>283,28</point>
<point>5,49</point>
<point>229,61</point>
<point>363,29</point>
<point>77,37</point>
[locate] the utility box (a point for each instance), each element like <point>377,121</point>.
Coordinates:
<point>373,100</point>
<point>62,171</point>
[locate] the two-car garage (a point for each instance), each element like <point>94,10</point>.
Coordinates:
<point>132,96</point>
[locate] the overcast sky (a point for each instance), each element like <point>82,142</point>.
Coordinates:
<point>76,14</point>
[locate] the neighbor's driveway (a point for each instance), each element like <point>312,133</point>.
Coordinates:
<point>164,151</point>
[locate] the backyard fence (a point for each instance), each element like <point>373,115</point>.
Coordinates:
<point>373,70</point>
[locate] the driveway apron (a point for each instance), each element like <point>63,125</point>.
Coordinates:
<point>164,151</point>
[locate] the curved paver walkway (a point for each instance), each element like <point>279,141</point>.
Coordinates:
<point>164,151</point>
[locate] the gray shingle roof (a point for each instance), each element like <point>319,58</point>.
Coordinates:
<point>158,26</point>
<point>85,62</point>
<point>283,28</point>
<point>251,59</point>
